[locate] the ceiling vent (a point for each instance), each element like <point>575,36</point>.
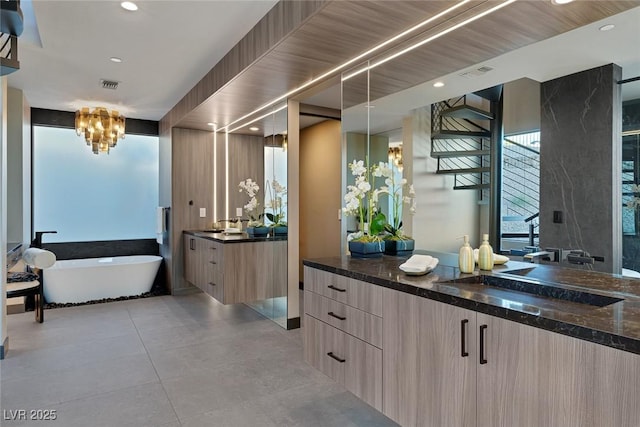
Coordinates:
<point>476,72</point>
<point>109,84</point>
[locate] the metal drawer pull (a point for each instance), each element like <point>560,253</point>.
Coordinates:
<point>337,289</point>
<point>212,284</point>
<point>333,356</point>
<point>463,337</point>
<point>332,314</point>
<point>214,248</point>
<point>213,262</point>
<point>483,360</point>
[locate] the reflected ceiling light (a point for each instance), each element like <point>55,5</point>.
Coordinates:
<point>129,5</point>
<point>438,84</point>
<point>607,27</point>
<point>282,107</point>
<point>115,59</point>
<point>254,128</point>
<point>211,124</point>
<point>350,62</point>
<point>561,2</point>
<point>429,39</point>
<point>101,128</point>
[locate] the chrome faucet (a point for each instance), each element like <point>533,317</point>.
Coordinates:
<point>549,255</point>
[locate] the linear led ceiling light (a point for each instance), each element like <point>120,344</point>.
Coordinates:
<point>428,40</point>
<point>352,60</point>
<point>280,108</point>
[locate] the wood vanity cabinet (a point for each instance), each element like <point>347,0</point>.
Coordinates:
<point>448,366</point>
<point>342,332</point>
<point>442,365</point>
<point>236,272</point>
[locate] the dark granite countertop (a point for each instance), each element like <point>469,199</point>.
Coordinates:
<point>616,324</point>
<point>232,238</point>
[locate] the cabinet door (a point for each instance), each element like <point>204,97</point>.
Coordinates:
<point>447,365</point>
<point>400,363</point>
<point>617,388</point>
<point>363,376</point>
<point>190,259</point>
<point>529,376</point>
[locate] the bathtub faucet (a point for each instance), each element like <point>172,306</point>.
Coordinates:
<point>37,242</point>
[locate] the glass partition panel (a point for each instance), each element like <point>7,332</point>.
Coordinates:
<point>271,300</point>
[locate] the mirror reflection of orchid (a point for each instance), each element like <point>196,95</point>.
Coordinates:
<point>401,194</point>
<point>361,201</point>
<point>251,189</point>
<point>276,203</point>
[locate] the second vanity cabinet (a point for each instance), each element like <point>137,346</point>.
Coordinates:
<point>236,272</point>
<point>444,365</point>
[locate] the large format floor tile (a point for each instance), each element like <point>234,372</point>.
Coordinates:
<point>168,362</point>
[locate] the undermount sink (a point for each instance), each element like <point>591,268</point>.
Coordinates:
<point>539,288</point>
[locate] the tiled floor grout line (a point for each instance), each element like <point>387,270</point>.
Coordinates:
<point>173,409</point>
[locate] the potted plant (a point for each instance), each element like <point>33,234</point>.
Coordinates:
<point>401,194</point>
<point>361,201</point>
<point>277,203</point>
<point>255,226</point>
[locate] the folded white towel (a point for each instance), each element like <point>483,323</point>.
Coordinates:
<point>419,263</point>
<point>39,258</point>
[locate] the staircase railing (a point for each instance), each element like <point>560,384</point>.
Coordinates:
<point>520,188</point>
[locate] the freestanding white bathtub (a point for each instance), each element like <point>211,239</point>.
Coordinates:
<point>89,279</point>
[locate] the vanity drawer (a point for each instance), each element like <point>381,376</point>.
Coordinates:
<point>358,323</point>
<point>348,360</point>
<point>324,348</point>
<point>361,295</point>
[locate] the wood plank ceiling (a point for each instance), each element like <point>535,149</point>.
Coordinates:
<point>340,30</point>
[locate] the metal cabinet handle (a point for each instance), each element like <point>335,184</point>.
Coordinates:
<point>213,262</point>
<point>336,289</point>
<point>483,359</point>
<point>332,314</point>
<point>212,284</point>
<point>333,356</point>
<point>192,244</point>
<point>463,337</point>
<point>213,248</point>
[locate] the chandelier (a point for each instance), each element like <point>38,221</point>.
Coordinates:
<point>101,128</point>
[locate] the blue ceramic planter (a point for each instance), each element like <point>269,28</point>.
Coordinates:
<point>366,249</point>
<point>280,230</point>
<point>257,231</point>
<point>399,247</point>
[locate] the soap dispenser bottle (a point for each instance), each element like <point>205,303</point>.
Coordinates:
<point>485,254</point>
<point>465,257</point>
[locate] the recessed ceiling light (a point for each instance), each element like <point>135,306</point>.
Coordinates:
<point>561,2</point>
<point>607,27</point>
<point>129,5</point>
<point>115,59</point>
<point>254,128</point>
<point>438,84</point>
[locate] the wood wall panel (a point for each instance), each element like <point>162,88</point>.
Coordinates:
<point>191,177</point>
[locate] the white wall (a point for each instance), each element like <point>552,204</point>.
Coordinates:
<point>443,214</point>
<point>18,167</point>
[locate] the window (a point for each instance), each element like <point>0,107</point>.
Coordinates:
<point>88,197</point>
